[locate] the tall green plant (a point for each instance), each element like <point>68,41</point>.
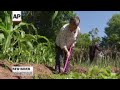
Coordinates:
<point>18,46</point>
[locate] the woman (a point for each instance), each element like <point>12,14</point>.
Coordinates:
<point>66,38</point>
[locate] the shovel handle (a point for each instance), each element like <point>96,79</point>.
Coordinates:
<point>67,60</point>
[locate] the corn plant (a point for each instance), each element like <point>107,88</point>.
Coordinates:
<point>21,47</point>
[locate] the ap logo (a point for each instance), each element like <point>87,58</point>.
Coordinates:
<point>16,16</point>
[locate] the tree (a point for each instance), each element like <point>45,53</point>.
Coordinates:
<point>113,31</point>
<point>94,35</point>
<point>84,41</point>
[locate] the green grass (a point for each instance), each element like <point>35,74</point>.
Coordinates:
<point>94,72</point>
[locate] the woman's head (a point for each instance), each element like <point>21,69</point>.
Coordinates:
<point>74,23</point>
